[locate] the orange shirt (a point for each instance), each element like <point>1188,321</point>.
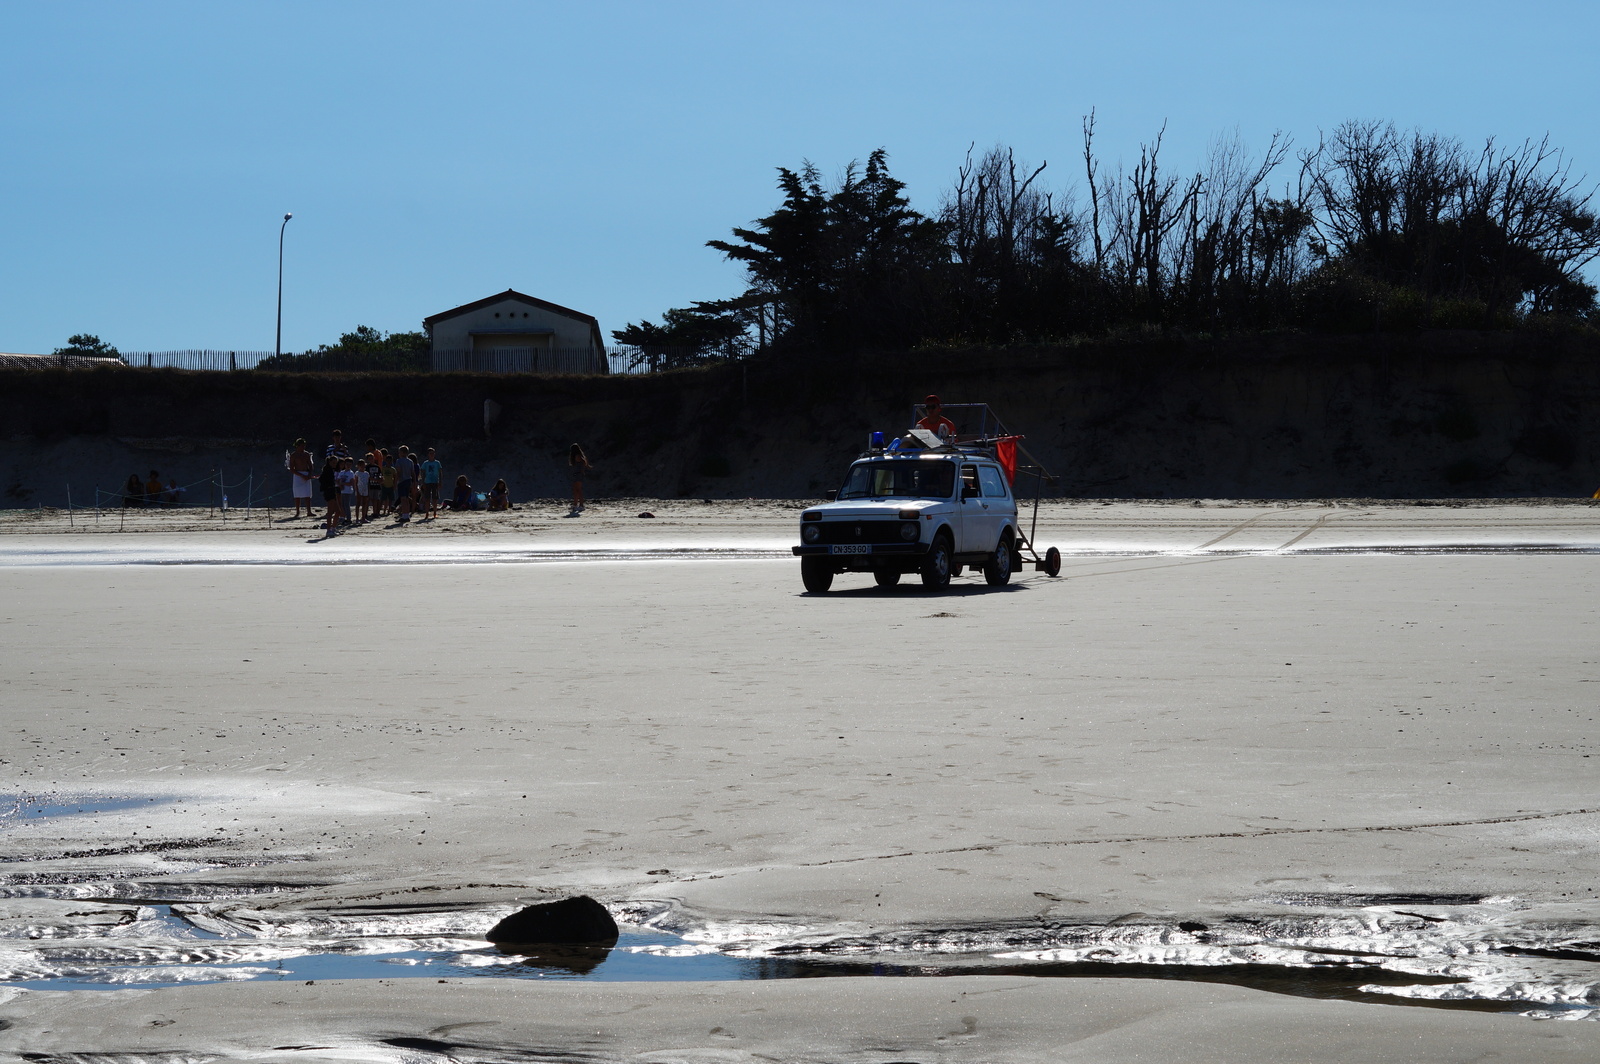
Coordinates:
<point>935,422</point>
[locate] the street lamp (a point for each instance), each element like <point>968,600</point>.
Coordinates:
<point>277,346</point>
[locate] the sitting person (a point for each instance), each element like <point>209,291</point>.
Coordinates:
<point>935,421</point>
<point>133,491</point>
<point>932,421</point>
<point>499,496</point>
<point>462,499</point>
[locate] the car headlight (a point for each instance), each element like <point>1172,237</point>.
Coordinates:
<point>810,533</point>
<point>909,531</point>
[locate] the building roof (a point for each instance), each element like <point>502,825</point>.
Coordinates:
<point>513,294</point>
<point>520,297</point>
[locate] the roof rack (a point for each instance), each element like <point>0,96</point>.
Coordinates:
<point>979,444</point>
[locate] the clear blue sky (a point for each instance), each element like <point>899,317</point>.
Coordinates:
<point>436,153</point>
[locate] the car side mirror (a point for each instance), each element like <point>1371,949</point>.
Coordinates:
<point>831,494</point>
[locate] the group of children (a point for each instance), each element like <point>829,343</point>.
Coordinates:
<point>357,488</point>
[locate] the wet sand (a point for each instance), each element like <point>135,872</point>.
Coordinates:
<point>1339,728</point>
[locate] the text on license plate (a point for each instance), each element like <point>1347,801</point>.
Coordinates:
<point>850,548</point>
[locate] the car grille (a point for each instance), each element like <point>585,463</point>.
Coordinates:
<point>861,532</point>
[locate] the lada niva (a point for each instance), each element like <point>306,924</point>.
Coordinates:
<point>930,512</point>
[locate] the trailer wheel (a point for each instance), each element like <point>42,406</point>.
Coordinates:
<point>816,574</point>
<point>886,577</point>
<point>936,564</point>
<point>1052,562</point>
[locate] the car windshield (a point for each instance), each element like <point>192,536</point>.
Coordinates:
<point>900,479</point>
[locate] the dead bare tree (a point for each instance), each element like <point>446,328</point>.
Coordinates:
<point>1092,172</point>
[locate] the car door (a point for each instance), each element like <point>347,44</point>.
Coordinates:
<point>999,508</point>
<point>974,533</point>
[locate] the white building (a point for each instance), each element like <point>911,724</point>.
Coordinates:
<point>515,333</point>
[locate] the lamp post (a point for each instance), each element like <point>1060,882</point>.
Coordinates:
<point>277,346</point>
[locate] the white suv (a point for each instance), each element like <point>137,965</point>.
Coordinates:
<point>927,512</point>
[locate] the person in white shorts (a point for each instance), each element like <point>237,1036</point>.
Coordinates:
<point>300,476</point>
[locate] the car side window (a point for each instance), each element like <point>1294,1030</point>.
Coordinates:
<point>969,481</point>
<point>994,486</point>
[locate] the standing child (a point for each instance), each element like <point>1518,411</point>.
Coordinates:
<point>405,471</point>
<point>329,483</point>
<point>363,484</point>
<point>346,479</point>
<point>432,472</point>
<point>386,492</point>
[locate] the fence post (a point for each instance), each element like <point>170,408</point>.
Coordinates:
<point>97,504</point>
<point>213,494</point>
<point>70,522</point>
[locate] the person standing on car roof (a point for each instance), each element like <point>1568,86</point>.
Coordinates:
<point>935,421</point>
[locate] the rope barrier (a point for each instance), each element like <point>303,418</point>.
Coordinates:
<point>218,483</point>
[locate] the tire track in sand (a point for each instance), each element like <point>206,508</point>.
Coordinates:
<point>1241,526</point>
<point>1203,837</point>
<point>1318,523</point>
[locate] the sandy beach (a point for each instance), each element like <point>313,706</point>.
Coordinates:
<point>1248,782</point>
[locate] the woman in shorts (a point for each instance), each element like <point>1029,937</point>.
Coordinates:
<point>577,466</point>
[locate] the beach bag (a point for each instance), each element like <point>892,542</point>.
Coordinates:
<point>480,501</point>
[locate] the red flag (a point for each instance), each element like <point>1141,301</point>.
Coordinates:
<point>1005,449</point>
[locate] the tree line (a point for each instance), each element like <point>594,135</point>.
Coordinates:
<point>1370,228</point>
<point>363,348</point>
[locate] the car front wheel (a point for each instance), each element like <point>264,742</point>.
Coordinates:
<point>816,574</point>
<point>936,564</point>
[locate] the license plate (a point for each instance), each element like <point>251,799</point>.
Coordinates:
<point>850,548</point>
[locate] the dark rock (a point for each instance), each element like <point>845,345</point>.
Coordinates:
<point>647,513</point>
<point>570,921</point>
